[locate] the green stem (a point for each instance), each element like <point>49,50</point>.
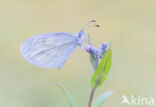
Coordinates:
<point>94,88</point>
<point>93,93</point>
<point>91,97</point>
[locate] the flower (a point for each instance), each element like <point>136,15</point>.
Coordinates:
<point>96,54</point>
<point>88,48</point>
<point>102,49</point>
<point>93,56</point>
<point>93,51</point>
<point>103,46</point>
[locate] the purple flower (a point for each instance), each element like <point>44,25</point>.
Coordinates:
<point>93,56</point>
<point>103,46</point>
<point>88,48</point>
<point>102,49</point>
<point>93,51</point>
<point>96,54</point>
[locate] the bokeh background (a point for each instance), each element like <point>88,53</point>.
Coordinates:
<point>129,24</point>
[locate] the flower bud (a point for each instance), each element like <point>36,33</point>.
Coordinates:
<point>102,49</point>
<point>103,46</point>
<point>93,51</point>
<point>93,55</point>
<point>88,48</point>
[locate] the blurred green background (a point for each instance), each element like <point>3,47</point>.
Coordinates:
<point>129,24</point>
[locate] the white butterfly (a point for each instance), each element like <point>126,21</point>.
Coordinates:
<point>51,50</point>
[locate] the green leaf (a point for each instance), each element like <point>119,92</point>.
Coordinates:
<point>102,70</point>
<point>100,100</point>
<point>71,104</point>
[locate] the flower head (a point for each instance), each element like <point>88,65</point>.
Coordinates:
<point>102,49</point>
<point>93,51</point>
<point>96,54</point>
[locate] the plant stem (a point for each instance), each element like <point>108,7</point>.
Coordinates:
<point>94,88</point>
<point>93,92</point>
<point>91,97</point>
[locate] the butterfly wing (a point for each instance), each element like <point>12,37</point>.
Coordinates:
<point>49,50</point>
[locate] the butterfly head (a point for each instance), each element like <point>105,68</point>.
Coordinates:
<point>80,34</point>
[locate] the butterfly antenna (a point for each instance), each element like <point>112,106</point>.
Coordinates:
<point>87,25</point>
<point>93,26</point>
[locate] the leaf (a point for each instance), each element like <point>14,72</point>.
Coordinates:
<point>71,104</point>
<point>102,70</point>
<point>100,99</point>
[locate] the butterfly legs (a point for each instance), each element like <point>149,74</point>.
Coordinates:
<point>88,39</point>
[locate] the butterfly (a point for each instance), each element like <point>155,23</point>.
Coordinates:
<point>51,50</point>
